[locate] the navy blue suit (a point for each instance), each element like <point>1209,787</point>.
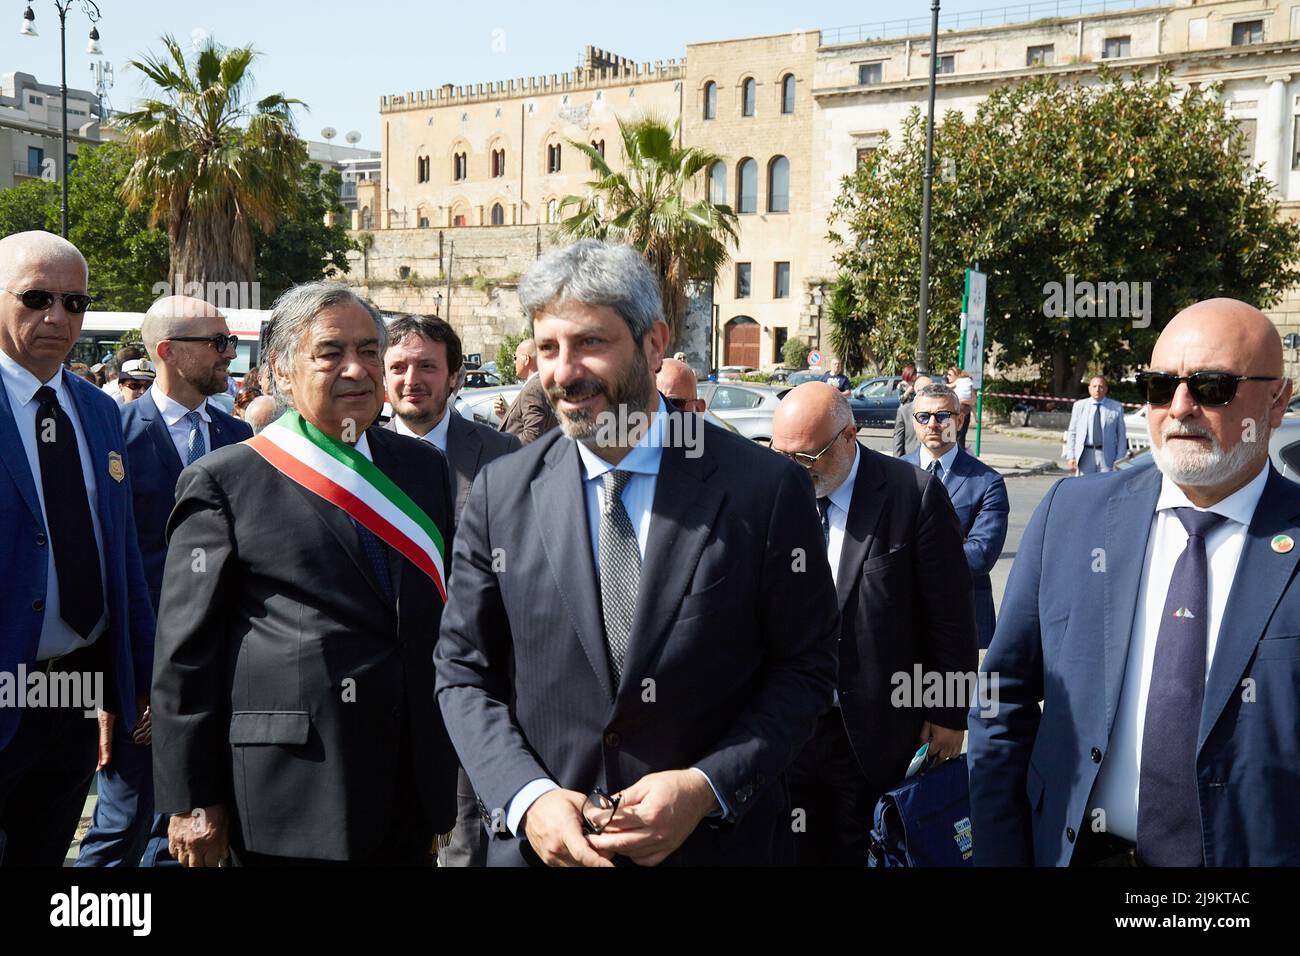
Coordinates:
<point>1063,639</point>
<point>979,496</point>
<point>124,819</point>
<point>23,558</point>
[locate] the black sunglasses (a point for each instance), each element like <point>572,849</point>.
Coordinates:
<point>41,299</point>
<point>1211,389</point>
<point>923,418</point>
<point>219,342</point>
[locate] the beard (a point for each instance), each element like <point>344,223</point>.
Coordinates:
<point>427,415</point>
<point>1201,467</point>
<point>633,389</point>
<point>205,378</point>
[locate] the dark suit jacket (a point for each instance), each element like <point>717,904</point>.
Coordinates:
<point>979,496</point>
<point>905,599</point>
<point>24,553</point>
<point>155,466</point>
<point>530,416</point>
<point>470,446</point>
<point>904,439</point>
<point>284,680</point>
<point>734,631</point>
<point>1063,639</point>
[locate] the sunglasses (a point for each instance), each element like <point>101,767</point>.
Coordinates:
<point>1211,389</point>
<point>41,299</point>
<point>134,385</point>
<point>923,418</point>
<point>679,403</point>
<point>222,343</point>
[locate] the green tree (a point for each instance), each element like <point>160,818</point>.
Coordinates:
<point>795,353</point>
<point>211,167</point>
<point>651,205</point>
<point>506,357</point>
<point>28,206</point>
<point>303,248</point>
<point>1123,181</point>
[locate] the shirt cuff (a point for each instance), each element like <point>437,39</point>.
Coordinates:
<point>524,799</point>
<point>724,811</point>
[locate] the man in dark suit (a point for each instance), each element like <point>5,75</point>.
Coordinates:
<point>168,427</point>
<point>904,440</point>
<point>530,416</point>
<point>421,368</point>
<point>977,492</point>
<point>641,634</point>
<point>1149,669</point>
<point>904,598</point>
<point>293,713</point>
<point>74,609</point>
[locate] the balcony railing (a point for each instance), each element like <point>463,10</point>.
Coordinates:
<point>24,168</point>
<point>993,17</point>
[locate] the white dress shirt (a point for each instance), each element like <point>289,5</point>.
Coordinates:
<point>837,514</point>
<point>435,436</point>
<point>945,460</point>
<point>1116,789</point>
<point>57,638</point>
<point>173,416</point>
<point>638,500</point>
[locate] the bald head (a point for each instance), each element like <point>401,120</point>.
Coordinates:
<point>920,382</point>
<point>22,251</point>
<point>814,419</point>
<point>525,358</point>
<point>175,315</point>
<point>676,380</point>
<point>1237,336</point>
<point>260,412</point>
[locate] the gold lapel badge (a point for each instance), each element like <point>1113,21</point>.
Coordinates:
<point>115,467</point>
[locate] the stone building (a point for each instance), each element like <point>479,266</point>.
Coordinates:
<point>31,127</point>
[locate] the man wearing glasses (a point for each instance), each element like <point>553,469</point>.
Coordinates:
<point>73,607</point>
<point>977,492</point>
<point>1153,614</point>
<point>1096,438</point>
<point>169,424</point>
<point>134,379</point>
<point>904,596</point>
<point>676,382</point>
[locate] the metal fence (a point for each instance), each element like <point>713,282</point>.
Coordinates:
<point>995,16</point>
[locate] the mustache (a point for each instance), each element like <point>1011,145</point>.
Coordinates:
<point>1177,429</point>
<point>578,391</point>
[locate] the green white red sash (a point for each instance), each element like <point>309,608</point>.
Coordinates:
<point>344,477</point>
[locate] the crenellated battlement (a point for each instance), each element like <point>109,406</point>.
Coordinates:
<point>598,69</point>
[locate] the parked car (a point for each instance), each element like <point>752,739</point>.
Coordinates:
<point>732,373</point>
<point>875,401</point>
<point>478,378</point>
<point>806,375</point>
<point>1135,428</point>
<point>749,407</point>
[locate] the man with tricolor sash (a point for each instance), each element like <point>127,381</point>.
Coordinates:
<point>293,713</point>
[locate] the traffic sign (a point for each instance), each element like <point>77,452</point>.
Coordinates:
<point>814,358</point>
<point>973,326</point>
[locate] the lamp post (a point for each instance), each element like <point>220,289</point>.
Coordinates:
<point>437,303</point>
<point>817,296</point>
<point>927,178</point>
<point>91,9</point>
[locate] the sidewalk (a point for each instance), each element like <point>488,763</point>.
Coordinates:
<point>1011,466</point>
<point>1028,431</point>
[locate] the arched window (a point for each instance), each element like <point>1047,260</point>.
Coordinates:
<point>367,218</point>
<point>710,100</point>
<point>748,93</point>
<point>787,93</point>
<point>498,163</point>
<point>599,146</point>
<point>553,211</point>
<point>553,158</point>
<point>422,169</point>
<point>747,186</point>
<point>459,166</point>
<point>718,183</point>
<point>498,215</point>
<point>778,185</point>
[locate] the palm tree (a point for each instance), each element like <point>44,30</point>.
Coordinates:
<point>207,164</point>
<point>650,205</point>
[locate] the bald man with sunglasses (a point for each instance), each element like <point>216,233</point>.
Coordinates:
<point>1147,654</point>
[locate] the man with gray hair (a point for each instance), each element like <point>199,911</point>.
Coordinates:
<point>293,714</point>
<point>638,641</point>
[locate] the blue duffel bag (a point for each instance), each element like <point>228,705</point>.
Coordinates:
<point>925,821</point>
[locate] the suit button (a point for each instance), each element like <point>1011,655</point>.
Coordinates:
<point>612,739</point>
<point>1096,755</point>
<point>40,539</point>
<point>38,605</point>
<point>1069,834</point>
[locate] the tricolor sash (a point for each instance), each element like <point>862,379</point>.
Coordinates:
<point>345,478</point>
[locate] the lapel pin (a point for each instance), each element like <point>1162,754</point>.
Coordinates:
<point>1282,543</point>
<point>117,472</point>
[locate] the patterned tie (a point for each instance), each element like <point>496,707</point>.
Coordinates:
<point>824,509</point>
<point>620,569</point>
<point>195,446</point>
<point>936,469</point>
<point>378,554</point>
<point>1169,809</point>
<point>67,516</point>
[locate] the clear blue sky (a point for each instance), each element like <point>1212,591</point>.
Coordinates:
<point>341,57</point>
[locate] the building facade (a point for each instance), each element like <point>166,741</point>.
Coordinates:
<point>31,127</point>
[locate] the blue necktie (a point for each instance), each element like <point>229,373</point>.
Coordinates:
<point>1169,809</point>
<point>378,555</point>
<point>824,507</point>
<point>936,469</point>
<point>195,446</point>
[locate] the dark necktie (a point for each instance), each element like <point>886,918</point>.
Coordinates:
<point>67,516</point>
<point>620,569</point>
<point>936,469</point>
<point>1096,425</point>
<point>1169,810</point>
<point>824,508</point>
<point>378,555</point>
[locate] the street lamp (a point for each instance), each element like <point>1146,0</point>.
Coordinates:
<point>437,303</point>
<point>817,301</point>
<point>927,178</point>
<point>91,9</point>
